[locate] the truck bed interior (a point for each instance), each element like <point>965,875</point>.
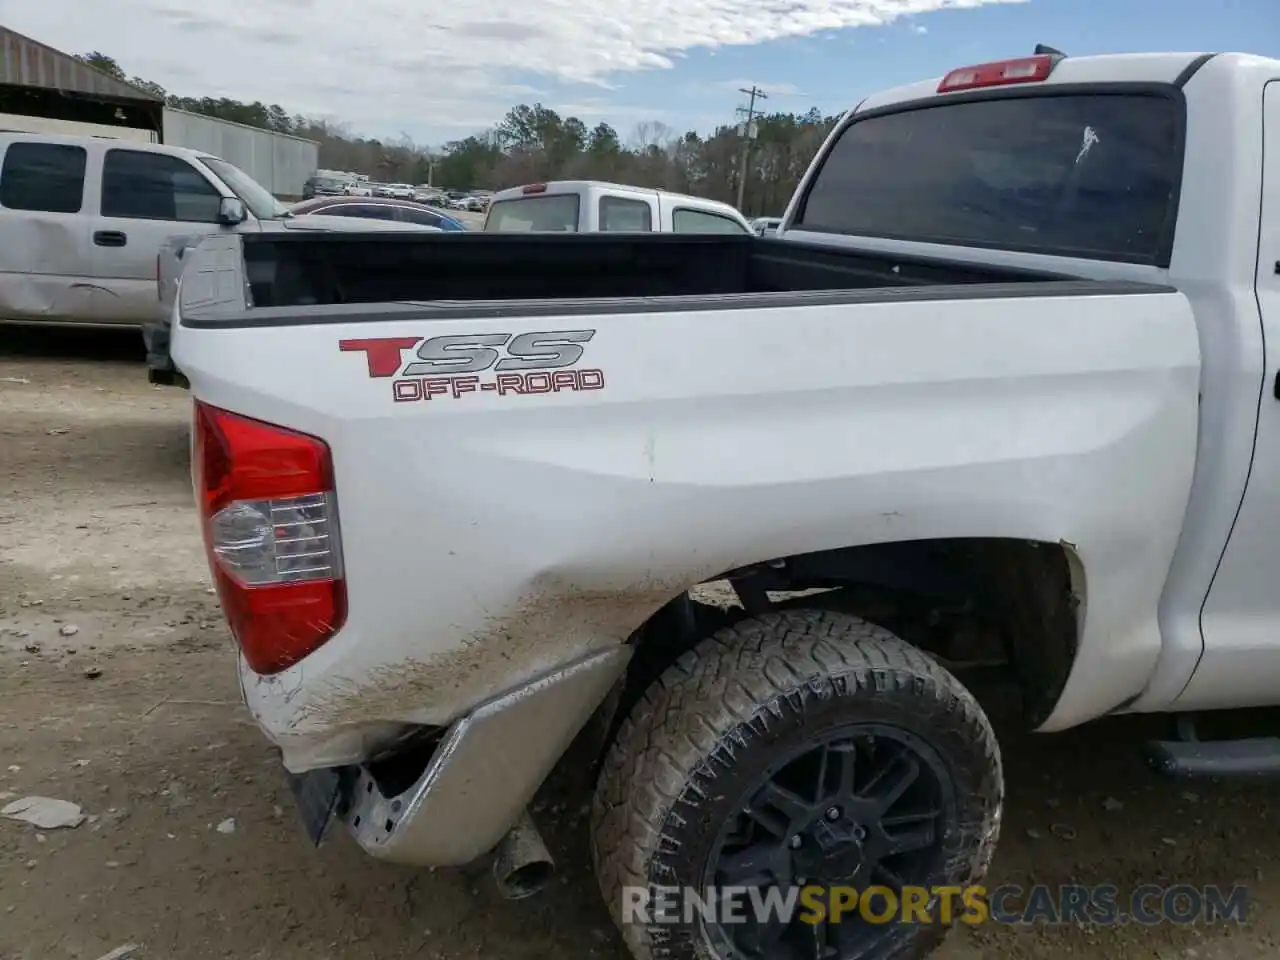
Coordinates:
<point>316,269</point>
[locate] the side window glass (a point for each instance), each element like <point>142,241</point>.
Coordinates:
<point>44,177</point>
<point>420,217</point>
<point>367,211</point>
<point>1091,175</point>
<point>622,215</point>
<point>153,186</point>
<point>194,197</point>
<point>684,220</point>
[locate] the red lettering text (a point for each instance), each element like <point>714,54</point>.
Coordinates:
<point>382,353</point>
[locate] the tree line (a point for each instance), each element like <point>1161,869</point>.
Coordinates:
<point>534,143</point>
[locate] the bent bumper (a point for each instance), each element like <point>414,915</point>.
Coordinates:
<point>482,774</point>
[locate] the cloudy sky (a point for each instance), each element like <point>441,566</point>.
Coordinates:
<point>436,71</point>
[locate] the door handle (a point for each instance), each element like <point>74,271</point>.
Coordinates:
<point>110,238</point>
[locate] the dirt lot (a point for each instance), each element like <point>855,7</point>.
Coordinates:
<point>118,694</point>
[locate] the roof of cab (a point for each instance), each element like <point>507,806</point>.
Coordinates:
<point>74,140</point>
<point>1104,68</point>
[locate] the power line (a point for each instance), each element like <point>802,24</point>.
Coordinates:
<point>749,111</point>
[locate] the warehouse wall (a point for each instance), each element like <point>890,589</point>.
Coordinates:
<point>279,162</point>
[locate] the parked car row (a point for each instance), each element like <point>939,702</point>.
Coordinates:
<point>458,200</point>
<point>332,183</point>
<point>378,208</point>
<point>394,191</point>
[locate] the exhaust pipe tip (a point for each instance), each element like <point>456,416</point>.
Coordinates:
<point>526,881</point>
<point>522,865</point>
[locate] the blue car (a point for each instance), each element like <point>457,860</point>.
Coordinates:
<point>379,208</point>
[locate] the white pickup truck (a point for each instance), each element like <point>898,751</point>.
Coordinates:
<point>82,220</point>
<point>93,228</point>
<point>1005,384</point>
<point>586,206</point>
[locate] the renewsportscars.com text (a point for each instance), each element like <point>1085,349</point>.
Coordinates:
<point>1103,905</point>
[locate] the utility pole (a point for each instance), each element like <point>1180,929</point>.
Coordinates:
<point>748,134</point>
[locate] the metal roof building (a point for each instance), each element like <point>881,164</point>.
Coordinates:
<point>28,63</point>
<point>37,80</point>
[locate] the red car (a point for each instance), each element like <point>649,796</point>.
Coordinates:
<point>378,208</point>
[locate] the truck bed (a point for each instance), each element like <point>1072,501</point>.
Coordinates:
<point>331,269</point>
<point>525,474</point>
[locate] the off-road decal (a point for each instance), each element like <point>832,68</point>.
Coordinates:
<point>452,366</point>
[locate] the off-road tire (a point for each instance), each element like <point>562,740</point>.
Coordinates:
<point>729,707</point>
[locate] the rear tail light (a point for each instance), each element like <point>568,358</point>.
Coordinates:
<point>270,522</point>
<point>530,188</point>
<point>1000,73</point>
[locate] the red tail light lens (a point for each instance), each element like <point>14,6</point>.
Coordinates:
<point>271,529</point>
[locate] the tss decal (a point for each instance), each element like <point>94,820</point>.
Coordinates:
<point>447,366</point>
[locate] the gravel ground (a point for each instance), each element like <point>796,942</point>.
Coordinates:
<point>118,694</point>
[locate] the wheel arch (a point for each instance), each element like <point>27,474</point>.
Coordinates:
<point>1031,593</point>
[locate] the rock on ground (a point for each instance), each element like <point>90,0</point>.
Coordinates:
<point>46,813</point>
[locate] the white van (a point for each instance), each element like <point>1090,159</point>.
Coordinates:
<point>586,206</point>
<point>83,220</point>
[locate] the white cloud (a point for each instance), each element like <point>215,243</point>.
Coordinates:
<point>388,65</point>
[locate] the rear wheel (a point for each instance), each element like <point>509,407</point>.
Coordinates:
<point>794,749</point>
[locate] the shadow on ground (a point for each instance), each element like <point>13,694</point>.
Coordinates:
<point>72,343</point>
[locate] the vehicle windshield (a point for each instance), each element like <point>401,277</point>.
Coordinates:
<point>552,213</point>
<point>254,195</point>
<point>1091,175</point>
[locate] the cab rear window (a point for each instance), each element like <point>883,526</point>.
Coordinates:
<point>1091,175</point>
<point>549,213</point>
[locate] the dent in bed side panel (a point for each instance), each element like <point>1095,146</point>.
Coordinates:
<point>489,538</point>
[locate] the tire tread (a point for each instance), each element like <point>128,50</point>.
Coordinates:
<point>702,706</point>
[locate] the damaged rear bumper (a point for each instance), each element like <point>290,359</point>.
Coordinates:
<point>476,781</point>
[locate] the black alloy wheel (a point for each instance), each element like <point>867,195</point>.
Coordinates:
<point>868,806</point>
<point>797,749</point>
